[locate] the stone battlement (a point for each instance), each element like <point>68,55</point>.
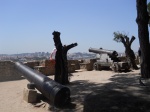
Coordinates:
<point>46,67</point>
<point>8,71</point>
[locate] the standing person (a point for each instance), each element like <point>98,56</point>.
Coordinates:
<point>52,56</point>
<point>53,53</point>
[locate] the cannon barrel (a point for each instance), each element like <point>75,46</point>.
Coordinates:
<point>104,51</point>
<point>57,94</point>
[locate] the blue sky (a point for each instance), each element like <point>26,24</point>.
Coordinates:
<point>27,25</point>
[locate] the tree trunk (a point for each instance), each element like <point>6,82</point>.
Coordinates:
<point>131,56</point>
<point>59,65</point>
<point>143,34</point>
<point>128,51</point>
<point>65,50</point>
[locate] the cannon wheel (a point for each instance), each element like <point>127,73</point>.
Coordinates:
<point>99,67</point>
<point>117,67</point>
<point>96,66</point>
<point>113,67</point>
<point>127,68</point>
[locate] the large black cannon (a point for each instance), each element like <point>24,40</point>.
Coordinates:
<point>58,94</point>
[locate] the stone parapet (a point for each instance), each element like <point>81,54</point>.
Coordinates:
<point>75,63</point>
<point>8,71</point>
<point>87,64</point>
<point>32,64</point>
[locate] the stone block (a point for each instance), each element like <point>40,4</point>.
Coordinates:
<point>75,63</point>
<point>71,68</point>
<point>86,66</point>
<point>45,70</point>
<point>30,95</point>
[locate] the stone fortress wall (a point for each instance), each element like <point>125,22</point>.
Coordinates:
<point>46,67</point>
<point>8,71</point>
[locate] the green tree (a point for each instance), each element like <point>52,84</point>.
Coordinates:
<point>123,38</point>
<point>143,34</point>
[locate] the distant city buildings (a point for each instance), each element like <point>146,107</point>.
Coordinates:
<point>24,57</point>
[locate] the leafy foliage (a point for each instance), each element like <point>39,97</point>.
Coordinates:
<point>118,37</point>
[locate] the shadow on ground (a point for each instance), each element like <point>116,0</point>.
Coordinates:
<point>122,94</point>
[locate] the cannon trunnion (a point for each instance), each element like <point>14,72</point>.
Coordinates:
<point>57,94</point>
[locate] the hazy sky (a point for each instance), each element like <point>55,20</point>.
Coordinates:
<point>26,25</point>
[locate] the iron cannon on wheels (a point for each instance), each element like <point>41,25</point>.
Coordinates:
<point>110,60</point>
